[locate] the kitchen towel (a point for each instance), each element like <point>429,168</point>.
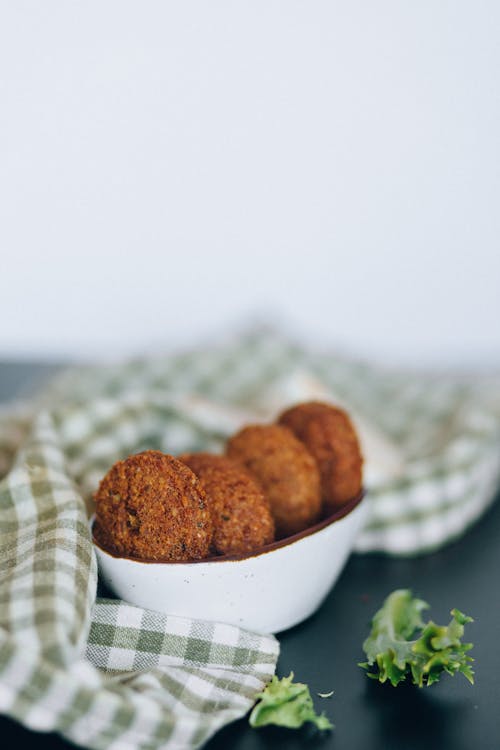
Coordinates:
<point>106,674</point>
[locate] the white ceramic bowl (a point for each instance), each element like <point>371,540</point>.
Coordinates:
<point>267,591</point>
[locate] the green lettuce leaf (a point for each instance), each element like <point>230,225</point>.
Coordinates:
<point>286,703</point>
<point>401,645</point>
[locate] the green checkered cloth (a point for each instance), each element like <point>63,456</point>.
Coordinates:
<point>106,674</point>
<point>101,672</point>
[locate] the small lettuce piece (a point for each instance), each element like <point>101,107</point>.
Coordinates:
<point>401,645</point>
<point>286,703</point>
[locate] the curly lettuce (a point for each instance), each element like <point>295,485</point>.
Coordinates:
<point>402,646</point>
<point>286,703</point>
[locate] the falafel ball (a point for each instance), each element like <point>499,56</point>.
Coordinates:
<point>329,435</point>
<point>152,506</point>
<point>286,472</point>
<point>241,514</point>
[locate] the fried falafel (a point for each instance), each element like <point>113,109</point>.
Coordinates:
<point>330,437</point>
<point>286,472</point>
<point>152,506</point>
<point>241,514</point>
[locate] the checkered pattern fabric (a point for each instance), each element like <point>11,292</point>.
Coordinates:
<point>106,674</point>
<point>102,673</point>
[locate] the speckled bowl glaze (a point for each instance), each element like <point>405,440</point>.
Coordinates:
<point>268,590</point>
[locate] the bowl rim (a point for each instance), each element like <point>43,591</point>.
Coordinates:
<point>337,515</point>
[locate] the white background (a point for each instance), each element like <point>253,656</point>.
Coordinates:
<point>168,169</point>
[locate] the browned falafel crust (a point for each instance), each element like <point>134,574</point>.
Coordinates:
<point>152,506</point>
<point>286,472</point>
<point>329,435</point>
<point>241,514</point>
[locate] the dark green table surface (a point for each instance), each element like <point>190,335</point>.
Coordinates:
<point>323,651</point>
